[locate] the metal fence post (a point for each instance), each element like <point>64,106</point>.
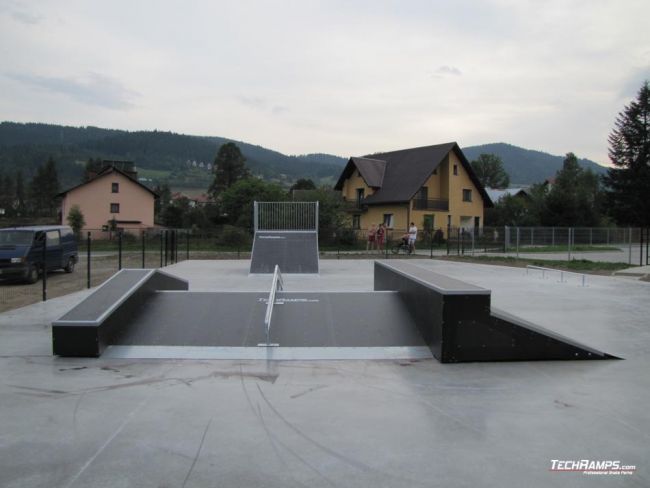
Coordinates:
<point>517,245</point>
<point>88,242</point>
<point>629,245</point>
<point>143,249</point>
<point>448,237</point>
<point>44,267</point>
<point>119,250</point>
<point>187,245</point>
<point>569,236</point>
<point>161,247</point>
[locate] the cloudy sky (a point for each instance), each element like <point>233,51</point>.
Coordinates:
<point>342,77</point>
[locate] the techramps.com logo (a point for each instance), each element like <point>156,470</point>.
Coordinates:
<point>591,467</point>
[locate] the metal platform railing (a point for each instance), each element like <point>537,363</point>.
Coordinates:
<point>285,216</point>
<point>562,272</point>
<point>276,285</point>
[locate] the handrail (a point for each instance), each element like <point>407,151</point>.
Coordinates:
<point>561,271</point>
<point>275,286</point>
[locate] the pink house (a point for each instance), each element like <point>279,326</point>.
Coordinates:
<point>111,200</point>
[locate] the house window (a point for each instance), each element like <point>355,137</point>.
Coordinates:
<point>467,195</point>
<point>360,193</point>
<point>435,171</point>
<point>115,187</point>
<point>423,194</point>
<point>388,220</point>
<point>115,208</point>
<point>455,170</point>
<point>356,221</point>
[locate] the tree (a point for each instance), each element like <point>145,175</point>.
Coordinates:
<point>20,193</point>
<point>303,184</point>
<point>162,202</point>
<point>490,172</point>
<point>237,201</point>
<point>44,188</point>
<point>76,220</point>
<point>574,200</point>
<point>330,208</point>
<point>229,167</point>
<point>628,181</point>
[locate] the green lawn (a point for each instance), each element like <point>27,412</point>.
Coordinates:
<point>564,248</point>
<point>578,265</point>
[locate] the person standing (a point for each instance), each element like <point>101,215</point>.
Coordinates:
<point>371,237</point>
<point>381,235</point>
<point>413,235</point>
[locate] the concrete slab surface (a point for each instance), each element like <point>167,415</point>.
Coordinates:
<point>167,423</point>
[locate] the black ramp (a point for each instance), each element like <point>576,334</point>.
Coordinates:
<point>294,252</point>
<point>299,320</point>
<point>91,326</point>
<point>457,323</point>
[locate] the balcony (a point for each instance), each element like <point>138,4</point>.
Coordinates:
<point>431,204</point>
<point>354,206</point>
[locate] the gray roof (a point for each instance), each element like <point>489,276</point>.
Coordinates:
<point>404,172</point>
<point>496,195</point>
<point>372,170</point>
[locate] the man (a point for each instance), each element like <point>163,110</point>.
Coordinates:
<point>413,235</point>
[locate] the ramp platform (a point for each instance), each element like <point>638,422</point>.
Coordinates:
<point>293,251</point>
<point>412,313</point>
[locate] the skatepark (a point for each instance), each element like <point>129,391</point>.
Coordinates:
<point>354,396</point>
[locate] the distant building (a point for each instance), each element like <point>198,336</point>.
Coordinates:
<point>432,186</point>
<point>110,200</point>
<point>496,195</point>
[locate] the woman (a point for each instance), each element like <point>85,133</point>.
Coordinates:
<point>371,237</point>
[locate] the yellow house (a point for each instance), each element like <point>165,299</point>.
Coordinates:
<point>112,197</point>
<point>432,186</point>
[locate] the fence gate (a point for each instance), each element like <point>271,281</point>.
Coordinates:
<point>286,216</point>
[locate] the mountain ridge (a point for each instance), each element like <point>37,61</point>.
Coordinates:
<point>179,157</point>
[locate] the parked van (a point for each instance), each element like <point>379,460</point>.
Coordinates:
<point>21,251</point>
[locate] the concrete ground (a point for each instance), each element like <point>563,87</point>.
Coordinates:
<point>175,423</point>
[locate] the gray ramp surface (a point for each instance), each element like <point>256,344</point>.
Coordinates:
<point>236,319</point>
<point>107,295</point>
<point>294,252</point>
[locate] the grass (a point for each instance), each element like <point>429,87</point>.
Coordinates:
<point>564,248</point>
<point>578,265</point>
<point>156,174</point>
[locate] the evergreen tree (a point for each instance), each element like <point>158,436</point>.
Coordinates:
<point>162,202</point>
<point>7,194</point>
<point>229,167</point>
<point>44,188</point>
<point>20,194</point>
<point>627,183</point>
<point>574,199</point>
<point>490,172</point>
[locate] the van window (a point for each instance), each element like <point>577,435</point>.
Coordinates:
<point>52,237</point>
<point>16,237</point>
<point>66,233</point>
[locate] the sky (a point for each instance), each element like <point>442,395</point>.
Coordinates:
<point>339,77</point>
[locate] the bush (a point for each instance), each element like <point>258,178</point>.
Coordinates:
<point>232,236</point>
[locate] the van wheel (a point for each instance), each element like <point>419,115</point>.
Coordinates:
<point>32,275</point>
<point>69,268</point>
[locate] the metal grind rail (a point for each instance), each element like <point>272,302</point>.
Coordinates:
<point>276,285</point>
<point>544,270</point>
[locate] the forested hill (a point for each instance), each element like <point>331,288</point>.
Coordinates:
<point>164,154</point>
<point>525,166</point>
<point>185,160</point>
